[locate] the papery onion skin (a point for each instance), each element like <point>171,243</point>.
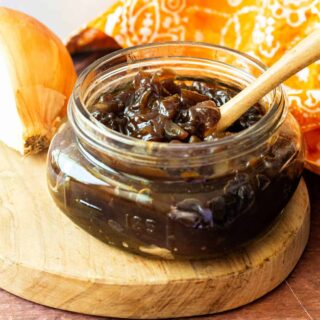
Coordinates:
<point>41,77</point>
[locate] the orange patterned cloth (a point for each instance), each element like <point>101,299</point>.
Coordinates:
<point>262,28</point>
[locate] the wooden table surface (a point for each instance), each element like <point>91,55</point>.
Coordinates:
<point>296,299</point>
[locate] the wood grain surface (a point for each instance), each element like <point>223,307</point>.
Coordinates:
<point>47,259</point>
<point>296,299</point>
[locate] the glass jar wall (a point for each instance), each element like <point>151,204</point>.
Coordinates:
<point>174,200</point>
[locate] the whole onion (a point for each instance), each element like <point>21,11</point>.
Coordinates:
<point>36,79</point>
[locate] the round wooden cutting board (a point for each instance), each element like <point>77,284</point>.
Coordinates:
<point>46,258</point>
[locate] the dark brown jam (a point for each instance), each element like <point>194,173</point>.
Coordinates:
<point>166,108</point>
<point>184,210</point>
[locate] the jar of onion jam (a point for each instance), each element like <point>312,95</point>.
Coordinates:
<point>151,176</point>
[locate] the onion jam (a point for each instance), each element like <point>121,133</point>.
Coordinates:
<point>166,108</point>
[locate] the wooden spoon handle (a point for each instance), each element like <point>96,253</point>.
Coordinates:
<point>304,53</point>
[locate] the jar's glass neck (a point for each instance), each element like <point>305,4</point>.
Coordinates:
<point>187,59</point>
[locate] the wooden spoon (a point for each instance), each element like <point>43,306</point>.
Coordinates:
<point>304,53</point>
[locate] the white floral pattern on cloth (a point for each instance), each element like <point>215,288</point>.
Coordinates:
<point>141,24</point>
<point>262,28</point>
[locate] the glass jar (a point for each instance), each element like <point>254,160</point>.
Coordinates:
<point>174,200</point>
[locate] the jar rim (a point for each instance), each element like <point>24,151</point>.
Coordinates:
<point>78,109</point>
